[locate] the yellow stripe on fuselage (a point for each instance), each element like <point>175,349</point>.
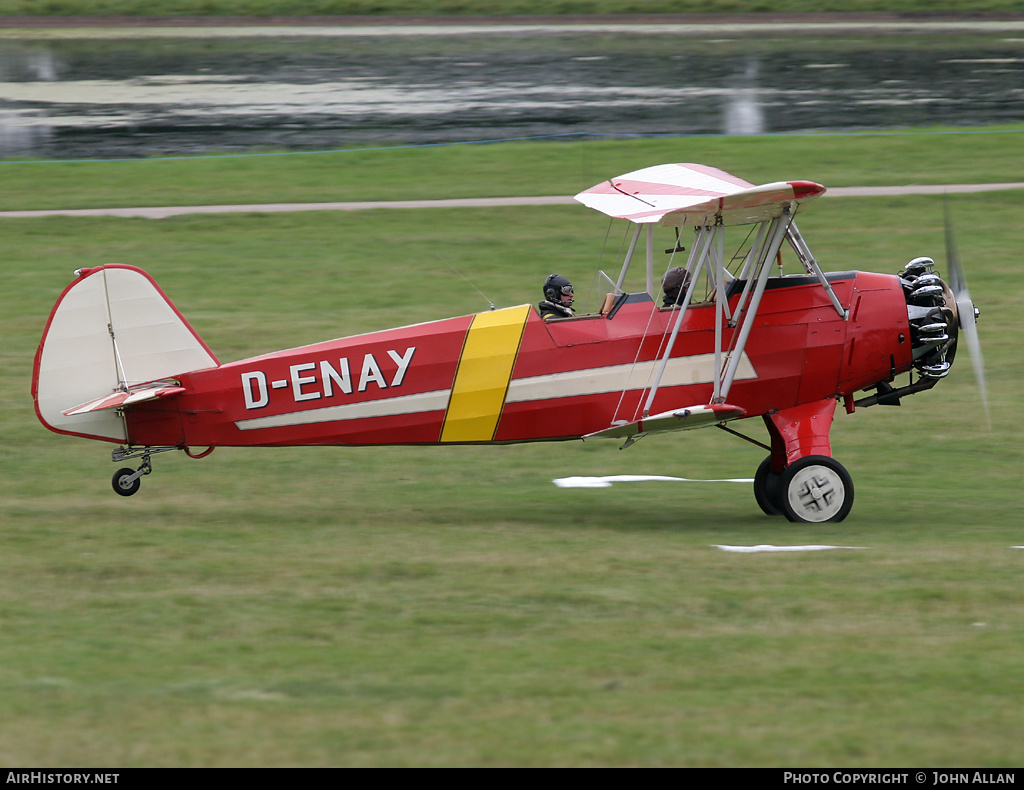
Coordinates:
<point>485,369</point>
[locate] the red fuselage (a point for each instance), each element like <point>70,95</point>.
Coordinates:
<point>507,376</point>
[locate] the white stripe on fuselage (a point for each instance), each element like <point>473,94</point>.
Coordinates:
<point>385,407</point>
<point>680,371</point>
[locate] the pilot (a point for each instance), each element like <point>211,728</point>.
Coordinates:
<point>558,298</point>
<point>674,285</point>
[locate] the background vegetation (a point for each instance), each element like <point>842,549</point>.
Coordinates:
<point>924,156</point>
<point>486,7</point>
<point>451,606</point>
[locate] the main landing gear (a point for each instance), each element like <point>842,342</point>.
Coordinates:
<point>812,489</point>
<point>800,480</point>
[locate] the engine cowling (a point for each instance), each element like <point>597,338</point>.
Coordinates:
<point>932,312</point>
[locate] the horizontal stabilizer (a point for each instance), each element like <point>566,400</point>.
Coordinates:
<point>676,420</point>
<point>126,398</point>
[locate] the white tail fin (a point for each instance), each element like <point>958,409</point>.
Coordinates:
<point>111,331</point>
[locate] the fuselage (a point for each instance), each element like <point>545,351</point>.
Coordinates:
<point>507,376</point>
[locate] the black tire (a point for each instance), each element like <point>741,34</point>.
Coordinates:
<point>768,488</point>
<point>816,489</point>
<point>120,482</point>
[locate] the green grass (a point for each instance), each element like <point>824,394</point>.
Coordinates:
<point>450,606</point>
<point>928,156</point>
<point>262,8</point>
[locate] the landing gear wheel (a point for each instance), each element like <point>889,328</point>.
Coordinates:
<point>816,489</point>
<point>123,481</point>
<point>767,488</point>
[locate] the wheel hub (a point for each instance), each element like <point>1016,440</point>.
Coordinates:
<point>817,493</point>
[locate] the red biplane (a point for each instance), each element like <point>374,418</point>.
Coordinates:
<point>117,362</point>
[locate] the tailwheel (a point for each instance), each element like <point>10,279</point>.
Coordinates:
<point>815,489</point>
<point>126,481</point>
<point>767,488</point>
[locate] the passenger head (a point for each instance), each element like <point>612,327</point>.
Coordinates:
<point>557,289</point>
<point>673,283</point>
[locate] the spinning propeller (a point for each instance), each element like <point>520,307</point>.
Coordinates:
<point>967,313</point>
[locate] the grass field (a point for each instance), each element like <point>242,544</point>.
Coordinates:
<point>925,156</point>
<point>266,8</point>
<point>451,606</point>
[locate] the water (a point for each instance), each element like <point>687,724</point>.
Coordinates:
<point>125,97</point>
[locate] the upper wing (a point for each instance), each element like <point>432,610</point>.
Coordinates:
<point>691,194</point>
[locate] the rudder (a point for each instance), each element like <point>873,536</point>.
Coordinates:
<point>112,330</point>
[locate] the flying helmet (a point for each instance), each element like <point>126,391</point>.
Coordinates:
<point>673,282</point>
<point>555,287</point>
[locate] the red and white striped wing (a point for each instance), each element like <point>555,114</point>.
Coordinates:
<point>692,194</point>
